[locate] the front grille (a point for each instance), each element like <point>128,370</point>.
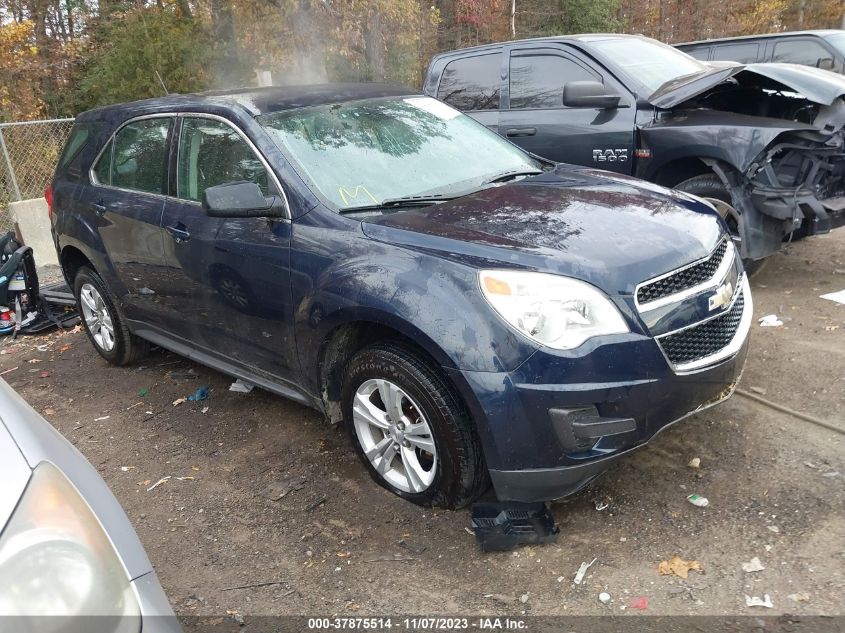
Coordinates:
<point>683,279</point>
<point>706,339</point>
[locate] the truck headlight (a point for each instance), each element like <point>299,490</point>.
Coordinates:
<point>56,560</point>
<point>555,311</point>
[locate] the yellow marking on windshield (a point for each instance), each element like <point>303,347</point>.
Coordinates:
<point>347,195</point>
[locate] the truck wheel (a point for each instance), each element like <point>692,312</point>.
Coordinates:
<point>412,432</point>
<point>712,189</point>
<point>104,324</point>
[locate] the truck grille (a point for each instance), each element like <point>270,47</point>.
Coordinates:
<point>704,339</point>
<point>683,279</point>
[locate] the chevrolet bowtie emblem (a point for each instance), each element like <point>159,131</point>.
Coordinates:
<point>723,296</point>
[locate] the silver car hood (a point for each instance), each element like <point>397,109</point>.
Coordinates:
<point>14,475</point>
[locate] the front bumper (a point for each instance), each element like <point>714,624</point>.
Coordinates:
<point>627,384</point>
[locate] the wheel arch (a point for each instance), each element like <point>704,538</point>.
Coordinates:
<point>343,341</point>
<point>71,260</point>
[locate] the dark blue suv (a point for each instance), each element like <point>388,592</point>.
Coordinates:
<point>469,311</point>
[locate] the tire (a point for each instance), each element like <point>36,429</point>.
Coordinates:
<point>711,188</point>
<point>100,317</point>
<point>451,475</point>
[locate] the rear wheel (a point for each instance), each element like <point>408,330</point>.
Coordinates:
<point>713,190</point>
<point>103,323</point>
<point>410,430</point>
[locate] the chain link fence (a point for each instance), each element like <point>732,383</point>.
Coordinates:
<point>28,154</point>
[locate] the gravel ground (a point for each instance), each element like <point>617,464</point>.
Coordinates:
<point>339,544</point>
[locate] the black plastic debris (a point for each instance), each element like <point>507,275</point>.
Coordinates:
<point>500,527</point>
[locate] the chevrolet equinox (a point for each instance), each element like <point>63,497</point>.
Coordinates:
<point>471,313</point>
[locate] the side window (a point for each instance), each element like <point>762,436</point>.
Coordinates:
<point>702,53</point>
<point>139,159</point>
<point>472,83</point>
<point>79,136</point>
<point>212,153</point>
<point>804,52</point>
<point>102,170</point>
<point>742,53</point>
<point>536,81</point>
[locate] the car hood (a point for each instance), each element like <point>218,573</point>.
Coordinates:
<point>14,473</point>
<point>820,86</point>
<point>610,230</point>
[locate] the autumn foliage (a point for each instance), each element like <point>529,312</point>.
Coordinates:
<point>61,56</point>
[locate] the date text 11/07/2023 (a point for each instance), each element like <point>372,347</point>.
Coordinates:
<point>485,623</point>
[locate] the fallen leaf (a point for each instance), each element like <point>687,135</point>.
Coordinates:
<point>179,401</point>
<point>678,566</point>
<point>146,482</point>
<point>64,348</point>
<point>49,412</point>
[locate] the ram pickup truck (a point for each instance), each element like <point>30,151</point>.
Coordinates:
<point>763,143</point>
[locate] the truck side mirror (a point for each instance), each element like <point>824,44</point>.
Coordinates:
<point>588,94</point>
<point>825,63</point>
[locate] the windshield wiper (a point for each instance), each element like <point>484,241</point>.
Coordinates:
<point>404,201</point>
<point>510,175</point>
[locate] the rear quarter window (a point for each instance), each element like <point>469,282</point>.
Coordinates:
<point>80,135</point>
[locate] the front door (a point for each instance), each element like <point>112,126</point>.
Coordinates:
<point>536,119</point>
<point>228,279</point>
<point>126,199</point>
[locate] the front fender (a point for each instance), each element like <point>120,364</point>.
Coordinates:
<point>340,276</point>
<point>734,139</point>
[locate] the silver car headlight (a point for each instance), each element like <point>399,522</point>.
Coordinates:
<point>555,311</point>
<point>56,560</point>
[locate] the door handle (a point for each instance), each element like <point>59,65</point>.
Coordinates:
<point>99,207</point>
<point>178,233</point>
<point>520,131</point>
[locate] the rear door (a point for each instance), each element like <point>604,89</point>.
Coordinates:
<point>228,279</point>
<point>534,117</point>
<point>126,198</point>
<point>473,85</point>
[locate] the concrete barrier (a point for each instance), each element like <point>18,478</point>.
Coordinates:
<point>33,220</point>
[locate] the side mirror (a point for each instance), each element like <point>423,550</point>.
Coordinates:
<point>588,94</point>
<point>240,200</point>
<point>825,63</point>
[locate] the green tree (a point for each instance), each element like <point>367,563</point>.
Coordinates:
<point>128,50</point>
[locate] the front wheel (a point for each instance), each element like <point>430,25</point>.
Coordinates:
<point>410,430</point>
<point>713,190</point>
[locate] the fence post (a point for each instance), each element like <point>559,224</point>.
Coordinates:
<point>16,190</point>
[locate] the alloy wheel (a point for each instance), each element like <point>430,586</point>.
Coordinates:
<point>395,436</point>
<point>97,317</point>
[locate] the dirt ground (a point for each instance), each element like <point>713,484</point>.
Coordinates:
<point>342,545</point>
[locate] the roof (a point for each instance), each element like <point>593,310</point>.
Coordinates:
<point>257,101</point>
<point>577,37</point>
<point>819,32</point>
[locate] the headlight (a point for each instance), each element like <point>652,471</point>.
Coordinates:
<point>56,560</point>
<point>555,311</point>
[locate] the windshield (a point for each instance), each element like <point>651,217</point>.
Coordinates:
<point>648,62</point>
<point>837,40</point>
<point>365,152</point>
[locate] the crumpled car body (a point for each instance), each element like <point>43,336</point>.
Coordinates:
<point>774,135</point>
<point>767,138</point>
